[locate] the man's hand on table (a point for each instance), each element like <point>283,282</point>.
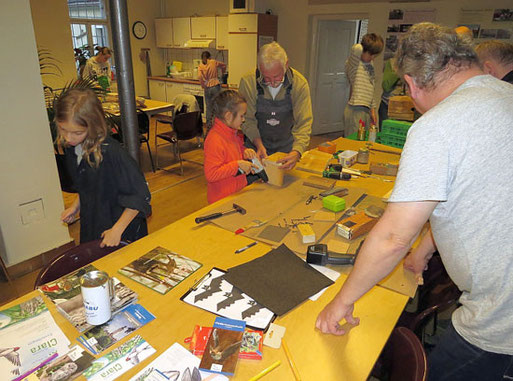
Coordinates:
<point>329,318</point>
<point>289,161</point>
<point>417,264</point>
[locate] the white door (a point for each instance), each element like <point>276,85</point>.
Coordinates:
<point>331,87</point>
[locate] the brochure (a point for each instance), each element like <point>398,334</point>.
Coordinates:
<point>160,269</point>
<point>223,346</point>
<point>65,294</point>
<point>119,360</point>
<point>29,338</point>
<point>251,347</point>
<point>175,363</point>
<point>64,368</point>
<point>122,324</point>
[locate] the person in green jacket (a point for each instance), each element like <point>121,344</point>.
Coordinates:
<point>392,86</point>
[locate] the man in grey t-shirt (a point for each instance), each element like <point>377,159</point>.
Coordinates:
<point>456,170</point>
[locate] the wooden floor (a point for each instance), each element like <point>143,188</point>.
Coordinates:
<point>173,196</point>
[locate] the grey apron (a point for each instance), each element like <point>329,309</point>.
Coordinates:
<point>275,119</point>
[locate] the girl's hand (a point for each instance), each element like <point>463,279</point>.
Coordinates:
<point>249,154</point>
<point>69,215</point>
<point>246,166</point>
<point>111,238</point>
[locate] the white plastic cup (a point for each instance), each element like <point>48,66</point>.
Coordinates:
<point>97,292</point>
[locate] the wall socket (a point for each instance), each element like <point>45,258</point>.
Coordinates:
<point>32,211</point>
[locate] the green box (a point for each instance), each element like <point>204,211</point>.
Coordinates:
<point>334,203</point>
<point>395,127</point>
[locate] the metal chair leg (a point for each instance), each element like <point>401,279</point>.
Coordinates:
<point>179,157</point>
<point>151,157</point>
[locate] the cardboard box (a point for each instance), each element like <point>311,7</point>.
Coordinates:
<point>328,147</point>
<point>354,226</point>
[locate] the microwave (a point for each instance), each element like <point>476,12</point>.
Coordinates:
<point>242,6</point>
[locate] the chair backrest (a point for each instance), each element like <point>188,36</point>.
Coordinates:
<point>404,356</point>
<point>438,286</point>
<point>73,259</point>
<point>188,125</point>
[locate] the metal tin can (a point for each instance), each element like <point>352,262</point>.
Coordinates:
<point>96,287</point>
<point>363,156</point>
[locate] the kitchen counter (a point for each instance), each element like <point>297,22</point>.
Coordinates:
<point>180,80</point>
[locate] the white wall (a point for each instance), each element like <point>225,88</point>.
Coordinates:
<point>28,169</point>
<point>145,11</point>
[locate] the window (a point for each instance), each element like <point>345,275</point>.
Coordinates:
<point>89,27</point>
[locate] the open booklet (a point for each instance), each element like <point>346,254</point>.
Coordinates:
<point>160,269</point>
<point>65,294</point>
<point>29,338</point>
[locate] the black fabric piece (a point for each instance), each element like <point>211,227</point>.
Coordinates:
<point>106,191</point>
<point>508,77</point>
<point>279,280</point>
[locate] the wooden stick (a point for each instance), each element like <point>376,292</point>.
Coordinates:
<point>291,362</point>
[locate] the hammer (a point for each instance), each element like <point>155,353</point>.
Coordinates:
<point>236,208</point>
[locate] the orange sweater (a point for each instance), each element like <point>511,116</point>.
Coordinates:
<point>223,147</point>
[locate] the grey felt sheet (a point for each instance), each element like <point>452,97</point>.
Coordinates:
<point>279,280</point>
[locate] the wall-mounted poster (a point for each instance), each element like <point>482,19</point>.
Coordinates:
<point>399,22</point>
<point>503,15</point>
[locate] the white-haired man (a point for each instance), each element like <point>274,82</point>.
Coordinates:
<point>279,116</point>
<point>455,170</point>
<point>496,59</point>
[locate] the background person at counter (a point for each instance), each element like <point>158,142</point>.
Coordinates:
<point>97,67</point>
<point>279,117</point>
<point>209,81</point>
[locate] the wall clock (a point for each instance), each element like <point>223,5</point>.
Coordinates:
<point>139,30</point>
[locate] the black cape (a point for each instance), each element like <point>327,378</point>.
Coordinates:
<point>106,191</point>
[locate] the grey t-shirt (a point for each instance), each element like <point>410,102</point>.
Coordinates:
<point>461,153</point>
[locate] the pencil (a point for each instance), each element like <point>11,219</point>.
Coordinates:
<point>291,362</point>
<point>265,371</point>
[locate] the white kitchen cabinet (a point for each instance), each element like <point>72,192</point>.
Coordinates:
<point>158,90</point>
<point>181,31</point>
<point>244,58</point>
<point>222,33</point>
<point>243,23</point>
<point>164,33</point>
<point>172,90</point>
<point>246,33</point>
<point>203,27</point>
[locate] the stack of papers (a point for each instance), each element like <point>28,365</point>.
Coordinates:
<point>29,339</point>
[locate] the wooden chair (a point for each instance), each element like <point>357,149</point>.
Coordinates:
<point>403,358</point>
<point>438,294</point>
<point>185,126</point>
<point>73,259</point>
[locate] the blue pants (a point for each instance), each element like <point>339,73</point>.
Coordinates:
<point>210,94</point>
<point>455,359</point>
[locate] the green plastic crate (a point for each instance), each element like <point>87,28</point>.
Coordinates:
<point>391,140</point>
<point>395,127</point>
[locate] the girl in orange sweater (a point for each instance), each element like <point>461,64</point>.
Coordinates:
<point>226,166</point>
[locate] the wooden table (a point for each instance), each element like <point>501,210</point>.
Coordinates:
<point>317,356</point>
<point>151,107</point>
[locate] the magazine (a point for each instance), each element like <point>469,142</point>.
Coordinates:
<point>29,338</point>
<point>65,294</point>
<point>64,368</point>
<point>175,363</point>
<point>223,346</point>
<point>251,347</point>
<point>160,269</point>
<point>119,360</point>
<point>103,336</point>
